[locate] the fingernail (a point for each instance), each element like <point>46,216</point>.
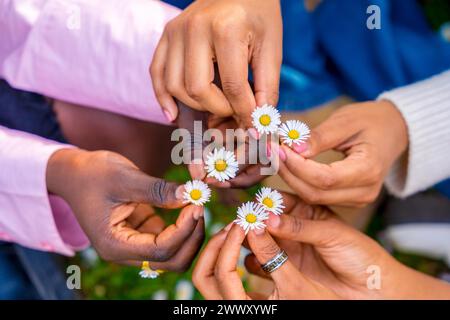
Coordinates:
<point>259,231</point>
<point>198,213</point>
<point>274,221</point>
<point>282,154</point>
<point>268,150</point>
<point>228,226</point>
<point>253,133</point>
<point>169,117</point>
<point>179,192</point>
<point>300,148</point>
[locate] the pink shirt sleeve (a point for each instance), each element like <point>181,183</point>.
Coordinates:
<point>93,53</point>
<point>25,207</point>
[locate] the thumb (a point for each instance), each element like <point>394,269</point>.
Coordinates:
<point>142,188</point>
<point>327,136</point>
<point>265,248</point>
<point>314,232</point>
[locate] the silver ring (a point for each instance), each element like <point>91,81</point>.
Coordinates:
<point>276,262</point>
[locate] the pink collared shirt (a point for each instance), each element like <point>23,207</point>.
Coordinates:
<point>88,52</point>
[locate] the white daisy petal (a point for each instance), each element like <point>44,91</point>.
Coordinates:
<point>266,119</point>
<point>147,272</point>
<point>271,200</point>
<point>196,192</point>
<point>251,216</point>
<point>221,164</point>
<point>294,131</point>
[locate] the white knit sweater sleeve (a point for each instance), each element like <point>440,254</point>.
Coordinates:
<point>425,106</point>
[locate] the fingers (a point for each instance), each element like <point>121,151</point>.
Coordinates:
<point>356,170</point>
<point>203,275</point>
<point>130,244</point>
<point>199,75</point>
<point>143,188</point>
<point>182,260</point>
<point>329,135</point>
<point>248,177</point>
<point>228,279</point>
<point>186,119</point>
<point>174,71</point>
<point>314,232</point>
<point>157,75</point>
<point>265,248</point>
<point>351,197</point>
<point>232,59</point>
<point>253,266</point>
<point>266,65</point>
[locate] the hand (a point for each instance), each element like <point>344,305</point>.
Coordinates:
<point>215,274</point>
<point>232,33</point>
<point>372,136</point>
<point>339,257</point>
<point>104,189</point>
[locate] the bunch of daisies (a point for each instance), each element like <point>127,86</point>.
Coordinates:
<point>252,215</point>
<point>222,165</point>
<point>266,119</point>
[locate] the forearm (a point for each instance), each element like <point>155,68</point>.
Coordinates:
<point>406,283</point>
<point>92,53</point>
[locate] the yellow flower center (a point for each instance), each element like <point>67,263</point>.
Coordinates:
<point>196,194</point>
<point>265,120</point>
<point>293,134</point>
<point>268,202</point>
<point>250,218</point>
<point>220,165</point>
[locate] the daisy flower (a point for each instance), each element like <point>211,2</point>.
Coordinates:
<point>148,273</point>
<point>221,164</point>
<point>196,192</point>
<point>294,131</point>
<point>266,119</point>
<point>251,216</point>
<point>271,200</point>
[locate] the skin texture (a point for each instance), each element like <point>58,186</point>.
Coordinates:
<point>372,135</point>
<point>232,33</point>
<point>104,190</point>
<point>327,260</point>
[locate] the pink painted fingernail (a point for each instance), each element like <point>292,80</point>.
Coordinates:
<point>169,117</point>
<point>228,227</point>
<point>198,213</point>
<point>179,192</point>
<point>300,148</point>
<point>268,150</point>
<point>282,154</point>
<point>259,231</point>
<point>274,221</point>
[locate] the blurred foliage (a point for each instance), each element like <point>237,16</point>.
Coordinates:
<point>437,12</point>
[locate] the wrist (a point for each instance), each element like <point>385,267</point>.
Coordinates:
<point>397,123</point>
<point>61,165</point>
<point>402,282</point>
